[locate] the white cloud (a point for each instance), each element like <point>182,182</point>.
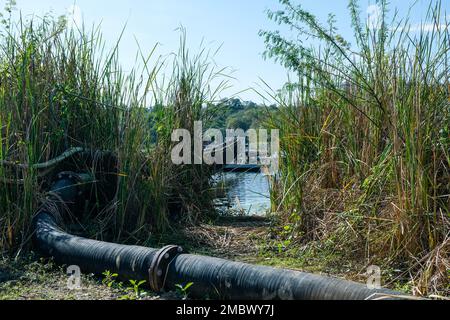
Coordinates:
<point>427,27</point>
<point>373,16</point>
<point>74,16</point>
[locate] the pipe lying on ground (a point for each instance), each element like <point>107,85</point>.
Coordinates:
<point>164,268</point>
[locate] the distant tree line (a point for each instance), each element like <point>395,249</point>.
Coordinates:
<point>234,113</point>
<point>228,113</point>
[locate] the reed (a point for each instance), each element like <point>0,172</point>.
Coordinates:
<point>61,89</point>
<point>365,137</point>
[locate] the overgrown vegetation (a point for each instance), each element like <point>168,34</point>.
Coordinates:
<point>364,169</point>
<point>365,140</point>
<point>59,89</point>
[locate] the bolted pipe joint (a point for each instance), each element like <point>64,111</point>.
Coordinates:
<point>160,266</point>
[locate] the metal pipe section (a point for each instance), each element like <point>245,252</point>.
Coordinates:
<point>166,267</point>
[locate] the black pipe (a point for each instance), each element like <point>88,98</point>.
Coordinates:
<point>167,267</point>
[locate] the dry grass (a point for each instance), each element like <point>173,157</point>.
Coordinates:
<point>240,240</point>
<point>365,139</point>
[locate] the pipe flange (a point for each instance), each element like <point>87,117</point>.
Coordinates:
<point>79,178</point>
<point>68,175</point>
<point>159,265</point>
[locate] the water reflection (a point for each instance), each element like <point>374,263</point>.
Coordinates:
<point>243,193</point>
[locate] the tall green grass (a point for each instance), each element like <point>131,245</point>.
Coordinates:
<point>60,89</point>
<point>365,138</point>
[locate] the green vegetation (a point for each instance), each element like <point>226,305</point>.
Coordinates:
<point>364,168</point>
<point>234,114</point>
<point>60,89</point>
<point>184,290</point>
<point>365,140</point>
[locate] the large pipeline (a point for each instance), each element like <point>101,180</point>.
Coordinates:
<point>166,267</point>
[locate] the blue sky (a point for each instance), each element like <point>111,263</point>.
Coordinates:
<point>234,24</point>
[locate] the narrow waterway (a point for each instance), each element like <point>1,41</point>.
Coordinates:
<point>242,193</point>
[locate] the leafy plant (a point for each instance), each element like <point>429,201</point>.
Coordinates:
<point>109,278</point>
<point>135,285</point>
<point>183,290</point>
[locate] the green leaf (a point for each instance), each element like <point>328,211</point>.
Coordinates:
<point>188,285</point>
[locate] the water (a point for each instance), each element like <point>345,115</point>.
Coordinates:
<point>243,193</point>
